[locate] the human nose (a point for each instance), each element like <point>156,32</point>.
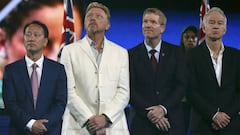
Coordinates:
<point>146,24</point>
<point>191,39</point>
<point>29,36</point>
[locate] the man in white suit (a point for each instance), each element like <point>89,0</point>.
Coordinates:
<point>98,80</point>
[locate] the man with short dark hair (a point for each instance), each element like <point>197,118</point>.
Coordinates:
<point>35,87</point>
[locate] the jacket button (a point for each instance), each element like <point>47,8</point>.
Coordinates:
<point>157,92</point>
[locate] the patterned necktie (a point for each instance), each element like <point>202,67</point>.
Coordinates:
<point>34,81</point>
<point>153,60</point>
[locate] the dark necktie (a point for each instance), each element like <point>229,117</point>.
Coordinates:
<point>153,60</point>
<point>34,81</point>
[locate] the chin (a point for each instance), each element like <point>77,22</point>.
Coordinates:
<point>214,39</point>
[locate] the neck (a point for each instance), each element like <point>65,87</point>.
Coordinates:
<point>98,39</point>
<point>214,45</point>
<point>34,56</point>
<point>152,42</point>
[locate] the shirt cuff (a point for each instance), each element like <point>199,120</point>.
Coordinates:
<point>30,124</point>
<point>215,114</point>
<point>164,109</point>
<point>109,122</point>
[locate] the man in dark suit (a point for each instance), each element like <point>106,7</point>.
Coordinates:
<point>35,108</point>
<point>157,81</point>
<point>214,81</point>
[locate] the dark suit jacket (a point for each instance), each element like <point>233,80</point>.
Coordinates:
<point>18,99</point>
<point>204,93</point>
<point>165,87</point>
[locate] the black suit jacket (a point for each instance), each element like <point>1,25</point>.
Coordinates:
<point>204,93</point>
<point>165,87</point>
<point>18,99</point>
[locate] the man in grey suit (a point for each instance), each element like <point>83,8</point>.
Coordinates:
<point>214,81</point>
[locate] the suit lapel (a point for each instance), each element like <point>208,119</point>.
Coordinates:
<point>227,66</point>
<point>162,55</point>
<point>87,49</point>
<point>43,77</point>
<point>143,55</point>
<point>42,90</point>
<point>207,57</point>
<point>26,78</point>
<point>105,55</point>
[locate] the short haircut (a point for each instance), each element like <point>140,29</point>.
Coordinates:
<point>101,6</point>
<point>214,9</point>
<point>162,17</point>
<point>43,26</point>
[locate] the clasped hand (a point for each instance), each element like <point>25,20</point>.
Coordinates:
<point>220,121</point>
<point>38,127</point>
<point>156,116</point>
<point>96,125</point>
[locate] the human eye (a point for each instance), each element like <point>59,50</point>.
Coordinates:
<point>211,22</point>
<point>89,16</point>
<point>155,22</point>
<point>220,22</point>
<point>99,16</point>
<point>28,34</point>
<point>186,36</point>
<point>37,34</point>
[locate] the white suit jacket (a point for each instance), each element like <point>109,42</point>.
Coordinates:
<point>94,89</point>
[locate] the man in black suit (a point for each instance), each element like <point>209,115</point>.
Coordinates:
<point>214,81</point>
<point>157,81</point>
<point>35,88</point>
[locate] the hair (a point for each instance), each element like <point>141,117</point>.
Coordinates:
<point>189,28</point>
<point>43,26</point>
<point>162,17</point>
<point>101,6</point>
<point>214,9</point>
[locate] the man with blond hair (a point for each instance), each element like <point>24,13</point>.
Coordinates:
<point>157,80</point>
<point>98,80</point>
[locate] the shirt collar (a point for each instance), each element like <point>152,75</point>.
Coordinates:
<point>39,62</point>
<point>93,44</point>
<point>157,48</point>
<point>220,52</point>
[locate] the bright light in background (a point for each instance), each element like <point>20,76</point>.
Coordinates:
<point>8,8</point>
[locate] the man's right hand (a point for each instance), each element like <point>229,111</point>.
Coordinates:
<point>155,113</point>
<point>221,119</point>
<point>38,127</point>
